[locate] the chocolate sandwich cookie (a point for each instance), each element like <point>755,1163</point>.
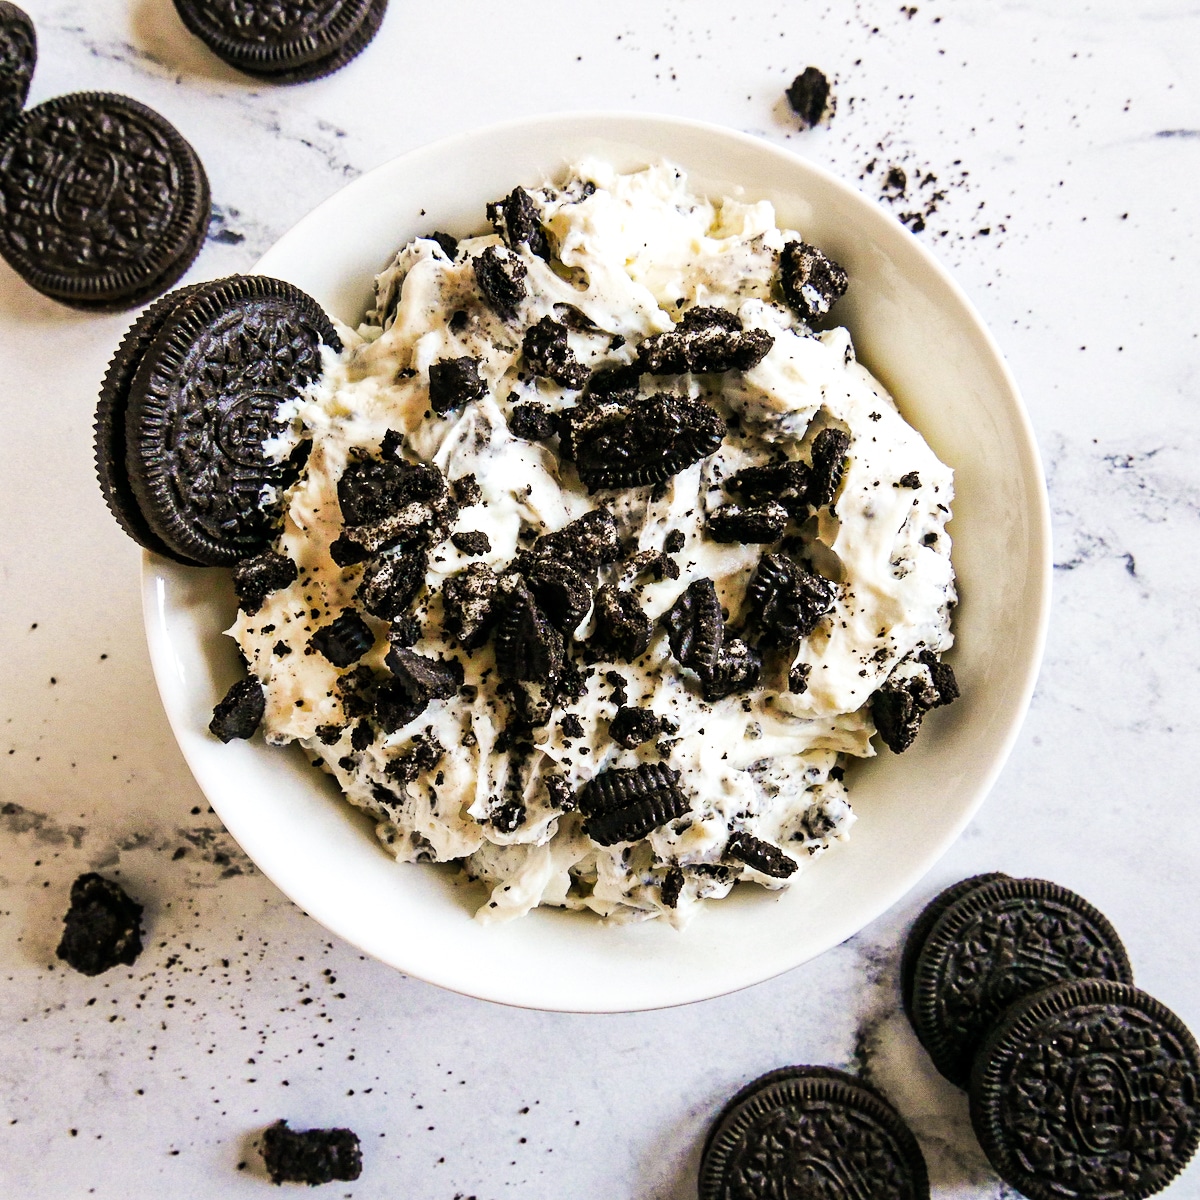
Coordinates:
<point>109,427</point>
<point>103,205</point>
<point>18,57</point>
<point>280,41</point>
<point>1088,1090</point>
<point>811,1131</point>
<point>926,920</point>
<point>995,945</point>
<point>187,405</point>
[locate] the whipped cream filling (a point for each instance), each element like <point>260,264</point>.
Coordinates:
<point>631,254</point>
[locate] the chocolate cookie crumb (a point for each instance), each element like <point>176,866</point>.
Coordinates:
<point>454,382</point>
<point>345,640</point>
<point>500,276</point>
<point>632,726</point>
<point>472,542</point>
<point>532,422</point>
<point>311,1156</point>
<point>811,283</point>
<point>548,353</point>
<point>102,928</point>
<point>239,713</point>
<point>254,579</point>
<point>809,98</point>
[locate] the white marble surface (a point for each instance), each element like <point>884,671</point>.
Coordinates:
<point>1066,138</point>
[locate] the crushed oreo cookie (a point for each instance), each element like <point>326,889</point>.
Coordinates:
<point>562,592</point>
<point>548,353</point>
<point>811,283</point>
<point>899,707</point>
<point>422,678</point>
<point>102,928</point>
<point>392,581</point>
<point>586,543</point>
<point>704,347</point>
<point>344,640</point>
<point>751,525</point>
<point>623,630</point>
<point>634,725</point>
<point>623,443</point>
<point>695,627</point>
<point>624,804</point>
<point>500,276</point>
<point>763,857</point>
<point>312,1156</point>
<point>455,382</point>
<point>472,542</point>
<point>254,579</point>
<point>828,463</point>
<point>784,483</point>
<point>528,646</point>
<point>786,601</point>
<point>517,220</point>
<point>532,422</point>
<point>808,96</point>
<point>470,605</point>
<point>240,712</point>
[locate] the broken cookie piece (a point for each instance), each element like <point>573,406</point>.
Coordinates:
<point>102,928</point>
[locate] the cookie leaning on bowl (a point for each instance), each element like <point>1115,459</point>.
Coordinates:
<point>188,402</point>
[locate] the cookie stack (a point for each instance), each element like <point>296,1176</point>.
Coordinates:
<point>103,204</point>
<point>1080,1083</point>
<point>188,401</point>
<point>281,42</point>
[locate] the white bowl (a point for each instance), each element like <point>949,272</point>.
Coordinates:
<point>917,331</point>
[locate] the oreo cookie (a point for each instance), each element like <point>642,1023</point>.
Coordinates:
<point>279,41</point>
<point>623,630</point>
<point>102,928</point>
<point>749,525</point>
<point>786,601</point>
<point>311,1156</point>
<point>995,945</point>
<point>18,57</point>
<point>761,856</point>
<point>625,804</point>
<point>103,205</point>
<point>548,353</point>
<point>811,1131</point>
<point>624,442</point>
<point>1088,1089</point>
<point>344,640</point>
<point>703,347</point>
<point>808,96</point>
<point>186,406</point>
<point>926,920</point>
<point>239,712</point>
<point>811,283</point>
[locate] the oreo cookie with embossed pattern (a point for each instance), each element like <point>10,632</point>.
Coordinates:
<point>624,804</point>
<point>187,404</point>
<point>1088,1090</point>
<point>996,945</point>
<point>811,1132</point>
<point>284,41</point>
<point>103,205</point>
<point>927,918</point>
<point>18,57</point>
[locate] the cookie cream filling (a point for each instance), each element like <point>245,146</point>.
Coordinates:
<point>550,712</point>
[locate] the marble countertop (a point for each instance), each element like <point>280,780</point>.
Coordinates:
<point>1065,142</point>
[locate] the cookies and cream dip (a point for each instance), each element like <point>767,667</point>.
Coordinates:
<point>602,561</point>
